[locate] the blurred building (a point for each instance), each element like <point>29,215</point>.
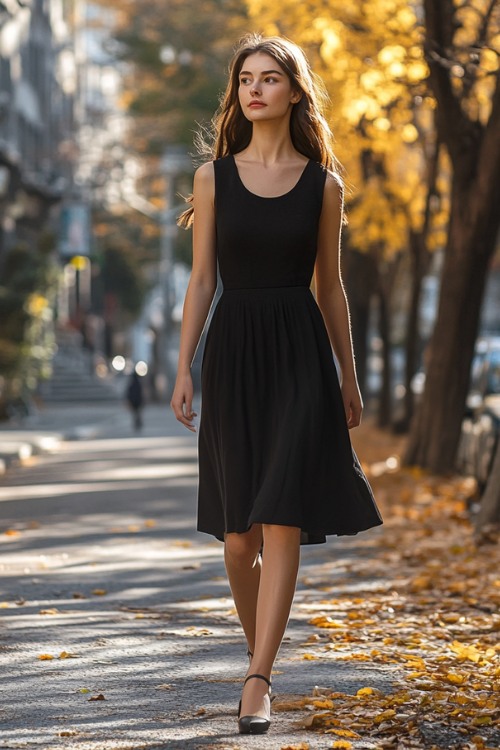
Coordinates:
<point>37,94</point>
<point>104,171</point>
<point>103,162</point>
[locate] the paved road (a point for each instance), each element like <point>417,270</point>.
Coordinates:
<point>101,561</point>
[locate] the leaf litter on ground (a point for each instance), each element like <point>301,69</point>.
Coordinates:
<point>430,607</point>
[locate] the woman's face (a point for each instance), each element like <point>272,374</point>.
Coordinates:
<point>265,91</point>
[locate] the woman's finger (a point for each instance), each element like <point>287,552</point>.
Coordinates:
<point>184,418</point>
<point>188,408</point>
<point>355,416</point>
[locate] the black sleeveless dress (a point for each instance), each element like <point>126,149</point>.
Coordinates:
<point>273,443</point>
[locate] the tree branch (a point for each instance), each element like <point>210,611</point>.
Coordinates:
<point>486,19</point>
<point>488,167</point>
<point>451,120</point>
<point>473,68</point>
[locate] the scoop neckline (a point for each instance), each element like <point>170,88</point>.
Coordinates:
<point>269,197</point>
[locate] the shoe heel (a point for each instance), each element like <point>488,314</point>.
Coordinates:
<point>253,724</point>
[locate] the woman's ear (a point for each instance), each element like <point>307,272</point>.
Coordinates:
<point>296,97</point>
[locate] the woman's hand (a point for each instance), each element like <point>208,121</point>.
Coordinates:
<point>182,401</point>
<point>353,403</point>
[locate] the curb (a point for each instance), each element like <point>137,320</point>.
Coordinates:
<point>85,432</point>
<point>14,451</point>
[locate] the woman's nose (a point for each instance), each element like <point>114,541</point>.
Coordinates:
<point>255,88</point>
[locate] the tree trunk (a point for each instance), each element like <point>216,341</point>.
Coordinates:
<point>420,260</point>
<point>471,241</point>
<point>474,150</point>
<point>489,512</point>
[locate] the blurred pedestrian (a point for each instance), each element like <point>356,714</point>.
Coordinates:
<point>276,463</point>
<point>135,400</point>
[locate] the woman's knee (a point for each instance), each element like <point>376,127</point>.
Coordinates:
<point>243,548</point>
<point>281,534</point>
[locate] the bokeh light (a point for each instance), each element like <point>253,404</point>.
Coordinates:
<point>118,363</point>
<point>141,369</point>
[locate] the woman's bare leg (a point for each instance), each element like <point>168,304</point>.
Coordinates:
<point>278,579</point>
<point>241,556</point>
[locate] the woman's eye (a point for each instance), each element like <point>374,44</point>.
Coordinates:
<point>271,79</point>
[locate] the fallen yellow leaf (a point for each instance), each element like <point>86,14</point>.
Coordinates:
<point>319,720</point>
<point>322,704</point>
<point>323,621</point>
<point>365,691</point>
<point>289,705</point>
<point>465,652</point>
<point>421,583</point>
<point>45,657</point>
<point>451,617</point>
<point>481,721</point>
<point>385,716</point>
<point>342,732</point>
<point>456,678</point>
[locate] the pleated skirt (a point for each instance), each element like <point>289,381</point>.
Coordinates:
<point>274,447</point>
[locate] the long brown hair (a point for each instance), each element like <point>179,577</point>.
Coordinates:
<point>231,132</point>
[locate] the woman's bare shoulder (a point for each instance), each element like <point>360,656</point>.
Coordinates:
<point>334,181</point>
<point>334,187</point>
<point>204,178</point>
<point>205,172</point>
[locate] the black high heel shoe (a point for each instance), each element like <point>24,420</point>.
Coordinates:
<point>253,724</point>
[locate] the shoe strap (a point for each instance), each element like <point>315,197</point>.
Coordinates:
<point>259,676</point>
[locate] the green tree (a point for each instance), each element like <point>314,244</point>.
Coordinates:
<point>27,287</point>
<point>174,58</point>
<point>122,277</point>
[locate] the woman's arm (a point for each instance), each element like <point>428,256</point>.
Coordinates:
<point>331,296</point>
<point>200,291</point>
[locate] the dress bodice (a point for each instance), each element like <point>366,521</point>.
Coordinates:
<point>266,242</point>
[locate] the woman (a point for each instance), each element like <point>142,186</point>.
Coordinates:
<point>276,464</point>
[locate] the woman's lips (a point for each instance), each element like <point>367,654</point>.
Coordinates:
<point>256,104</point>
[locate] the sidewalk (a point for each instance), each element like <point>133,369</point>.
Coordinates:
<point>53,423</point>
<point>118,630</point>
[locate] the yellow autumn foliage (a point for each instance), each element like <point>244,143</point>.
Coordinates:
<point>370,56</point>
